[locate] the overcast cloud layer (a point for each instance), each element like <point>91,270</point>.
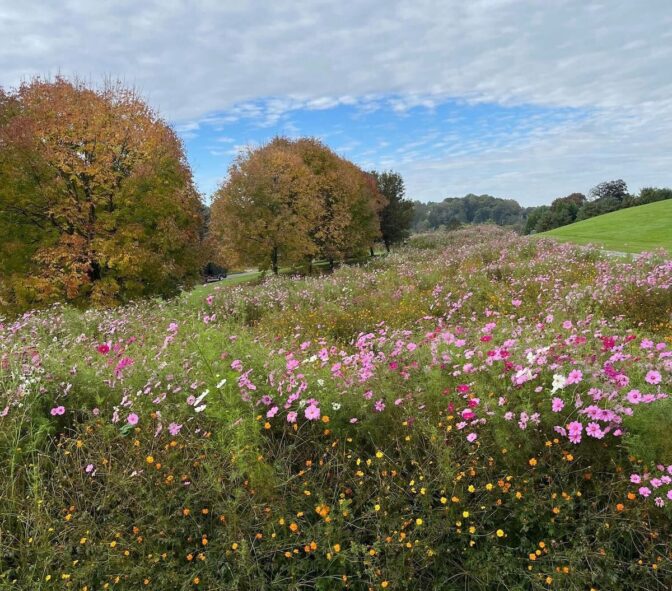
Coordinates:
<point>201,62</point>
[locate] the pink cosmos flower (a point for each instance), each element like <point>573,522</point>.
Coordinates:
<point>124,362</point>
<point>312,412</point>
<point>575,428</point>
<point>291,417</point>
<point>237,364</point>
<point>593,430</point>
<point>557,404</point>
<point>574,377</point>
<point>89,468</point>
<point>634,397</point>
<point>103,348</point>
<point>645,491</point>
<point>132,419</point>
<point>635,478</point>
<point>653,377</point>
<point>472,437</point>
<point>57,410</point>
<point>379,406</point>
<point>174,429</point>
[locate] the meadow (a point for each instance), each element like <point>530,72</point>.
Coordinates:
<point>477,410</point>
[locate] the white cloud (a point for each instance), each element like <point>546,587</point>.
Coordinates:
<point>210,62</point>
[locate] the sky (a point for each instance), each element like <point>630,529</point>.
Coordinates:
<point>526,99</point>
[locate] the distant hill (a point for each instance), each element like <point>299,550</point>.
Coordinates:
<point>636,229</point>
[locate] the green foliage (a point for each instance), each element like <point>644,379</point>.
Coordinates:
<point>470,209</point>
<point>397,215</point>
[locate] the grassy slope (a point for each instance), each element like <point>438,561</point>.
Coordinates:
<point>636,229</point>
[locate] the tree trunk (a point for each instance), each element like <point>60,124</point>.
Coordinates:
<point>371,249</point>
<point>387,246</point>
<point>274,260</point>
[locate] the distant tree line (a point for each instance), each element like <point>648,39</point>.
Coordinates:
<point>454,212</point>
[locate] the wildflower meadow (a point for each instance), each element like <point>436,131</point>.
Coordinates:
<point>476,410</point>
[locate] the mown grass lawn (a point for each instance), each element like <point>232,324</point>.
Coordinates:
<point>637,229</point>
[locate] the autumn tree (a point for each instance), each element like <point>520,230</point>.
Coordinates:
<point>291,201</point>
<point>347,197</point>
<point>396,216</point>
<point>263,214</point>
<point>97,201</point>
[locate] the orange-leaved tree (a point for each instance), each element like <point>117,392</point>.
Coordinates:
<point>97,202</point>
<point>293,200</point>
<point>349,201</point>
<point>264,212</point>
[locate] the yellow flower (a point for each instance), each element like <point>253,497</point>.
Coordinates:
<point>418,521</point>
<point>500,533</point>
<point>379,454</point>
<point>533,461</point>
<point>149,459</point>
<point>337,548</point>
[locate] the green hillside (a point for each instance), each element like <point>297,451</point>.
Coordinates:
<point>636,229</point>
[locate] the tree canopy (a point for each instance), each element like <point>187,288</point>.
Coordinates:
<point>97,202</point>
<point>290,201</point>
<point>397,215</point>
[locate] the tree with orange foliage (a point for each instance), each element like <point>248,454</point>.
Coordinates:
<point>264,213</point>
<point>294,200</point>
<point>97,202</point>
<point>348,201</point>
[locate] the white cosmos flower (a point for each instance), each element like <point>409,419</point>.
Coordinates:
<point>559,382</point>
<point>201,397</point>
